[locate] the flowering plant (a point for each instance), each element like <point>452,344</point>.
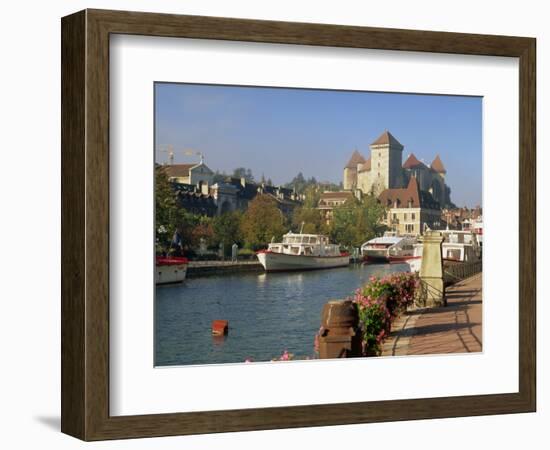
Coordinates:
<point>378,303</point>
<point>286,356</point>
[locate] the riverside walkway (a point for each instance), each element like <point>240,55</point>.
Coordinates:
<point>455,328</point>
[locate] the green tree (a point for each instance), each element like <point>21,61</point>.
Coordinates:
<point>355,222</point>
<point>168,216</point>
<point>227,230</point>
<point>199,228</point>
<point>171,219</point>
<point>312,194</point>
<point>310,218</point>
<point>261,222</point>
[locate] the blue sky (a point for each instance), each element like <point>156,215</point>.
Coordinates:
<point>280,132</point>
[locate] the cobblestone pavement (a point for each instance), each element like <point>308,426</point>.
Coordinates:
<point>455,328</point>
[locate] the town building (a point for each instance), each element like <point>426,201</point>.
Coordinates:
<point>411,210</point>
<point>384,169</point>
<point>194,200</point>
<point>192,174</point>
<point>462,218</point>
<point>196,193</point>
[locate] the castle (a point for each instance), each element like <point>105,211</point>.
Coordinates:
<point>384,170</point>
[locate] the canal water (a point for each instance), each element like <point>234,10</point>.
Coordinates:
<point>267,313</point>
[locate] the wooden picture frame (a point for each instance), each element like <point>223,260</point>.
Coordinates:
<point>85,224</point>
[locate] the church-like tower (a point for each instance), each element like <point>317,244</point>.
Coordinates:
<point>386,157</point>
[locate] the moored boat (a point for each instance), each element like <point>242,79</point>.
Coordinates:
<point>389,248</point>
<point>457,246</point>
<point>302,252</point>
<point>170,269</point>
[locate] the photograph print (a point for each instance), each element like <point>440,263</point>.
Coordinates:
<point>303,224</point>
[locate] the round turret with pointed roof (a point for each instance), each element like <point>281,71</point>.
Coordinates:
<point>412,162</point>
<point>356,158</point>
<point>437,165</point>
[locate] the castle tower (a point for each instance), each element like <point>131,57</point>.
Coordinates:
<point>386,158</point>
<point>350,171</point>
<point>439,190</point>
<point>438,167</point>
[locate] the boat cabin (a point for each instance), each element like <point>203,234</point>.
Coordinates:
<point>305,244</point>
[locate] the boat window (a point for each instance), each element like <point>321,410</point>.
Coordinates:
<point>295,250</point>
<point>307,250</point>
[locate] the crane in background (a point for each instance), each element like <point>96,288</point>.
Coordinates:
<point>169,150</point>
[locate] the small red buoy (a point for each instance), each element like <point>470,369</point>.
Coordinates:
<point>220,327</point>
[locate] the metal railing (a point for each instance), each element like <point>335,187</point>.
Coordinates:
<point>454,272</point>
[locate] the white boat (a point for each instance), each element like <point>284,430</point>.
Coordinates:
<point>477,228</point>
<point>389,248</point>
<point>457,246</point>
<point>170,270</point>
<point>302,252</point>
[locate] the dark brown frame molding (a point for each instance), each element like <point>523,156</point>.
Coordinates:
<point>85,224</point>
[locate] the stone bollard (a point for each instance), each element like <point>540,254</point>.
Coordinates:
<point>432,287</point>
<point>340,336</point>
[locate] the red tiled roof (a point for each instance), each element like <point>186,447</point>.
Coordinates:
<point>178,170</point>
<point>386,138</point>
<point>336,195</point>
<point>419,199</point>
<point>437,165</point>
<point>356,158</point>
<point>366,166</point>
<point>412,162</point>
<point>402,196</point>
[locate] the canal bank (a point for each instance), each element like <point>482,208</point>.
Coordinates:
<point>207,268</point>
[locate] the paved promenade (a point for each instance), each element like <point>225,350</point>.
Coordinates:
<point>455,328</point>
